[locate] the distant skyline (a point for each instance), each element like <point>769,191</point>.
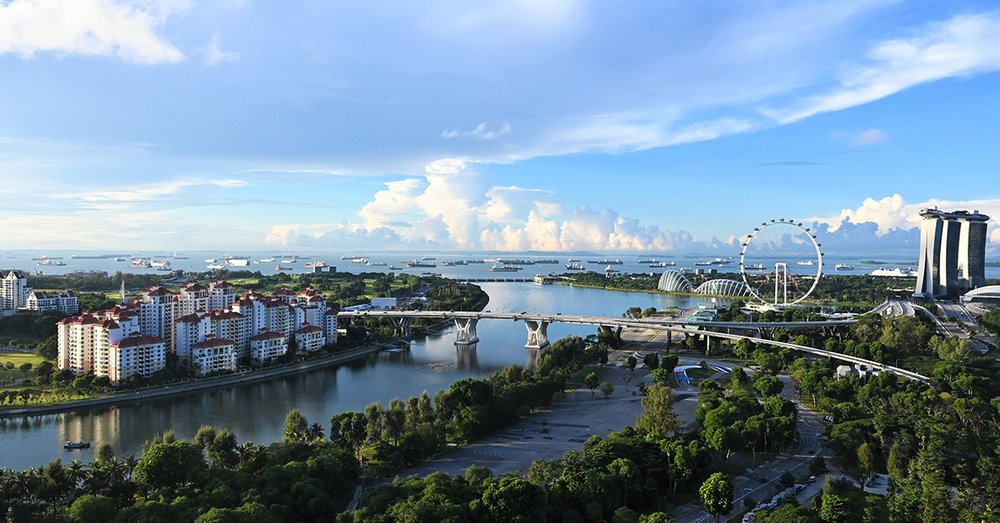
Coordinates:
<point>504,126</point>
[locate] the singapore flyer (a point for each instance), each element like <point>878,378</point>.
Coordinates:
<point>781,262</point>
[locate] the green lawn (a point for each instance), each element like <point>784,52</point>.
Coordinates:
<point>17,358</point>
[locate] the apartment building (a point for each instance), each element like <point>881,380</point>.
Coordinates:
<point>14,292</point>
<point>213,355</point>
<point>267,346</point>
<point>309,338</point>
<point>64,302</point>
<point>136,355</point>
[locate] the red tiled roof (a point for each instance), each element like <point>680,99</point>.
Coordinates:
<point>212,342</point>
<point>225,315</point>
<point>267,335</point>
<point>308,329</point>
<point>189,318</point>
<point>284,291</point>
<point>159,291</point>
<point>138,340</point>
<point>220,284</point>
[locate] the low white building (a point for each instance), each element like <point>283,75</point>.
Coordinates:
<point>213,355</point>
<point>64,302</point>
<point>309,338</point>
<point>136,355</point>
<point>267,346</point>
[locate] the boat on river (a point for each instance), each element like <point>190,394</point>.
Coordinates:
<point>76,445</point>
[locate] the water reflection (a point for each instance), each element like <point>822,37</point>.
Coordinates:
<point>257,411</point>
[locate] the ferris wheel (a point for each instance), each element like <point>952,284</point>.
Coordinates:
<point>791,252</point>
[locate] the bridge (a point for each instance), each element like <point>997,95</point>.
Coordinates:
<point>537,326</point>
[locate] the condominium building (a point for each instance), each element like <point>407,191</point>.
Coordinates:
<point>64,302</point>
<point>267,346</point>
<point>157,312</point>
<point>952,252</point>
<point>14,292</point>
<point>309,338</point>
<point>194,296</point>
<point>213,355</point>
<point>136,355</point>
<point>85,341</point>
<point>330,326</point>
<point>189,330</point>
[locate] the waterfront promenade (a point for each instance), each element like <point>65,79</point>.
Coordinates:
<point>196,385</point>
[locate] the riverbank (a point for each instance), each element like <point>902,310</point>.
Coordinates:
<point>199,385</point>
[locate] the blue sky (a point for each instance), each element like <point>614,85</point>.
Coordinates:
<point>559,125</point>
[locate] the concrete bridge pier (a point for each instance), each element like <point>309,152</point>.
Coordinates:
<point>465,334</point>
<point>402,326</point>
<point>538,334</point>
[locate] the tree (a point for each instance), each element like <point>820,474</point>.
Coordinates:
<point>658,416</point>
<point>592,380</point>
<point>607,389</point>
<point>296,426</point>
<point>743,348</point>
<point>633,312</point>
<point>395,420</point>
<point>89,508</point>
<point>866,462</point>
<point>348,429</point>
<point>375,418</point>
<point>169,465</point>
<point>625,471</point>
<point>651,360</point>
<point>661,376</point>
<point>668,362</point>
<point>768,385</point>
<point>716,495</point>
<point>631,362</point>
<point>515,500</point>
<point>656,517</point>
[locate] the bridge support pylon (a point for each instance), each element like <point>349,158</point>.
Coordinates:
<point>538,334</point>
<point>465,356</point>
<point>402,326</point>
<point>465,333</point>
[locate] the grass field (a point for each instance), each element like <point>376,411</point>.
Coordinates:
<point>17,358</point>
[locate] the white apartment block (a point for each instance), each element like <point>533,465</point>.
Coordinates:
<point>213,355</point>
<point>189,330</point>
<point>64,302</point>
<point>194,297</point>
<point>232,326</point>
<point>156,313</point>
<point>137,355</point>
<point>309,338</point>
<point>14,292</point>
<point>330,326</point>
<point>267,345</point>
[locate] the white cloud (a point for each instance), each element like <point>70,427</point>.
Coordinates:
<point>214,55</point>
<point>481,131</point>
<point>960,46</point>
<point>120,199</point>
<point>893,213</point>
<point>870,137</point>
<point>88,27</point>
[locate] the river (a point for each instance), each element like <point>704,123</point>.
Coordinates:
<point>257,411</point>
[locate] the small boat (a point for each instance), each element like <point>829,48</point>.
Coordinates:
<point>754,266</point>
<point>703,264</point>
<point>211,260</point>
<point>119,259</point>
<point>288,260</point>
<point>421,263</point>
<point>575,266</point>
<point>394,268</point>
<point>282,268</point>
<point>74,445</point>
<point>504,268</point>
<point>159,263</point>
<point>52,262</point>
<point>606,261</point>
<point>428,258</point>
<point>806,263</point>
<point>164,269</point>
<point>844,267</point>
<point>139,263</point>
<point>216,266</point>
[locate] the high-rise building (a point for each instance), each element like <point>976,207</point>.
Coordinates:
<point>952,252</point>
<point>14,292</point>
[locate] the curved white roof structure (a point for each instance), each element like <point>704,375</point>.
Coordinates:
<point>674,281</point>
<point>989,293</point>
<point>723,288</point>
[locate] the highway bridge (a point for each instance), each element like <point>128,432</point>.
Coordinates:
<point>537,326</point>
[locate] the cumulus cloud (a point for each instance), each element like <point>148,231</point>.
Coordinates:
<point>88,27</point>
<point>870,137</point>
<point>892,222</point>
<point>960,46</point>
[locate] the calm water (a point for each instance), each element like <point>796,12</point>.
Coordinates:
<point>257,411</point>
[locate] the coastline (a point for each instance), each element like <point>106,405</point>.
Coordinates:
<point>199,385</point>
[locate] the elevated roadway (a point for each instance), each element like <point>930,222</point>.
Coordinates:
<point>537,325</point>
